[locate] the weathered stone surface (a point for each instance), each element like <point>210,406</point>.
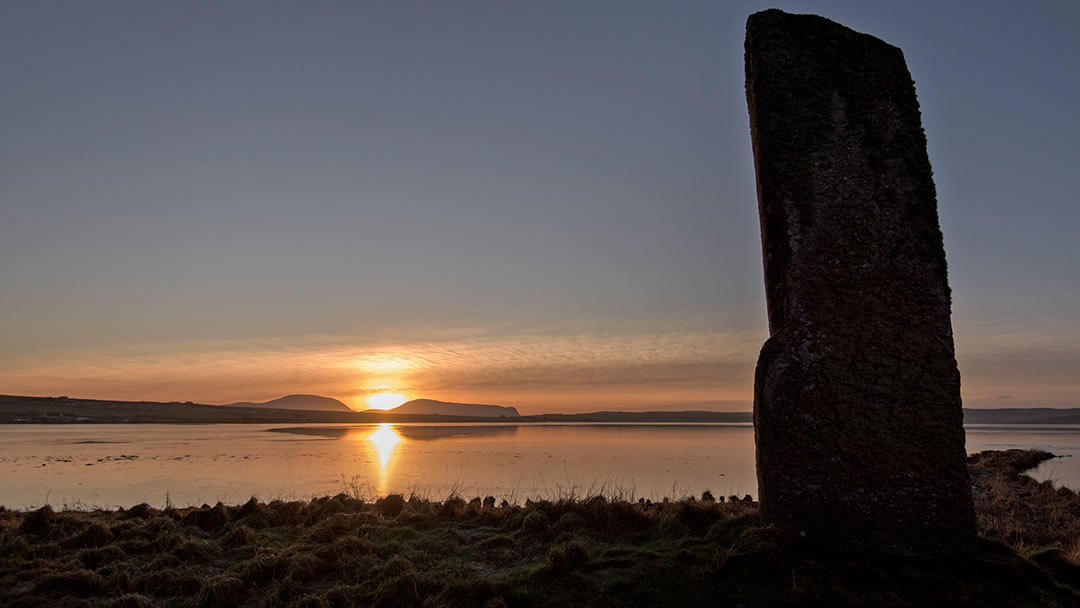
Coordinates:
<point>857,412</point>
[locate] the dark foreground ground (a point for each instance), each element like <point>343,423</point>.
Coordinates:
<point>342,551</point>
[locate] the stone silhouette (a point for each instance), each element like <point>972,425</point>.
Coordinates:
<point>857,413</point>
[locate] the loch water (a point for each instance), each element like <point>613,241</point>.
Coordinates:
<point>101,465</point>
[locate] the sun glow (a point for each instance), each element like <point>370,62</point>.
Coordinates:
<point>383,364</point>
<point>386,401</point>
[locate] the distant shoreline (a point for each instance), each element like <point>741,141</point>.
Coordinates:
<point>64,410</point>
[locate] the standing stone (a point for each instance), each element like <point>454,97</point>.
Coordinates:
<point>857,415</point>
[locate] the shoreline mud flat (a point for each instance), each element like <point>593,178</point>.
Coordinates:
<point>402,551</point>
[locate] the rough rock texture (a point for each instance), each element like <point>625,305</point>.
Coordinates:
<point>857,412</point>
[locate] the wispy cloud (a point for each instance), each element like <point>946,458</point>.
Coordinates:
<point>546,369</point>
<point>462,365</point>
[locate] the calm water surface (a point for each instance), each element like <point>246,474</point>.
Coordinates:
<point>110,465</point>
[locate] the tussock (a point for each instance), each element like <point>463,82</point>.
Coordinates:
<point>304,566</point>
<point>223,590</point>
<point>239,537</point>
<point>565,558</point>
<point>249,508</point>
<point>452,507</point>
<point>129,600</point>
<point>197,551</point>
<point>140,511</point>
<point>265,566</point>
<point>93,535</point>
<point>39,522</point>
<point>75,582</point>
<point>179,582</point>
<point>207,518</point>
<point>95,558</point>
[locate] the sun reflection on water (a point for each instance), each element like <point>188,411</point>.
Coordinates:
<point>385,439</point>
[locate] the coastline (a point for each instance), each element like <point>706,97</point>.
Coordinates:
<point>64,410</point>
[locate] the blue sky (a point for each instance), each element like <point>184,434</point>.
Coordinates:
<point>548,205</point>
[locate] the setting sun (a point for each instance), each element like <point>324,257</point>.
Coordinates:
<point>385,401</point>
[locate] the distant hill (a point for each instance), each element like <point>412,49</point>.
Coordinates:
<point>445,408</point>
<point>300,402</point>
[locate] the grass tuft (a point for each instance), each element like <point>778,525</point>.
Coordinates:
<point>140,511</point>
<point>566,558</point>
<point>94,535</point>
<point>196,551</point>
<point>129,600</point>
<point>76,582</point>
<point>39,522</point>
<point>221,590</point>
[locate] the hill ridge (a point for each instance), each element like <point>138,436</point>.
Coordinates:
<point>449,408</point>
<point>299,402</point>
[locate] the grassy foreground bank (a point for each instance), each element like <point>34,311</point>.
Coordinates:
<point>343,551</point>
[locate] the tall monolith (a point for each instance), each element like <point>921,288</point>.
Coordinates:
<point>857,415</point>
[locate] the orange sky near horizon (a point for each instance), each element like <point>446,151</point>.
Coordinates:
<point>535,373</point>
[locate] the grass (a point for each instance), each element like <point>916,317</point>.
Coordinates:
<point>1028,515</point>
<point>575,551</point>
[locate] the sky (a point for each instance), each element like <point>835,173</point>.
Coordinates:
<point>547,205</point>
